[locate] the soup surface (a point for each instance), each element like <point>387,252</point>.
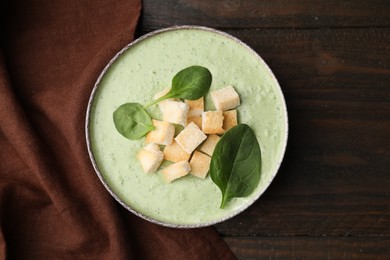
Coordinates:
<point>146,68</point>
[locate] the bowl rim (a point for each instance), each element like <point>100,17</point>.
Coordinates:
<point>92,97</point>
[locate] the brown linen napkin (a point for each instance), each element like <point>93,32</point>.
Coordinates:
<point>52,205</point>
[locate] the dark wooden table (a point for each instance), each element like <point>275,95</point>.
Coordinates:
<point>331,197</point>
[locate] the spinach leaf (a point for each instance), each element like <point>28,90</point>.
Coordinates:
<point>132,121</point>
<point>190,83</point>
<point>236,163</point>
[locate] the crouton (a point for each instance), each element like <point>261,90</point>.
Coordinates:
<point>196,119</point>
<point>225,98</point>
<point>161,104</point>
<point>150,157</point>
<point>196,107</point>
<point>175,112</point>
<point>212,122</point>
<point>200,164</point>
<point>190,137</point>
<point>175,171</point>
<point>174,153</point>
<point>209,145</point>
<point>162,134</point>
<point>229,119</point>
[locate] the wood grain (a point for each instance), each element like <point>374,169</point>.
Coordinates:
<point>310,248</point>
<point>244,14</point>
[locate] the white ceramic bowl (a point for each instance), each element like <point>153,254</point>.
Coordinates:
<point>143,68</point>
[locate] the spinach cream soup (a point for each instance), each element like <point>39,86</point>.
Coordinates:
<point>146,67</point>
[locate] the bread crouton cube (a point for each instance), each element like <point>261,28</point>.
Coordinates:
<point>190,137</point>
<point>196,119</point>
<point>175,171</point>
<point>175,112</point>
<point>150,157</point>
<point>196,107</point>
<point>229,119</point>
<point>225,98</point>
<point>212,122</point>
<point>174,153</point>
<point>162,134</point>
<point>161,104</point>
<point>200,164</point>
<point>209,145</point>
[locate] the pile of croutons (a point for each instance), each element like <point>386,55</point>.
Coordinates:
<point>201,129</point>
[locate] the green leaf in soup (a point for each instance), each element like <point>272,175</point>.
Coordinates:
<point>190,83</point>
<point>236,163</point>
<point>132,121</point>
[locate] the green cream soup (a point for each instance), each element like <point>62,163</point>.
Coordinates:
<point>147,67</point>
